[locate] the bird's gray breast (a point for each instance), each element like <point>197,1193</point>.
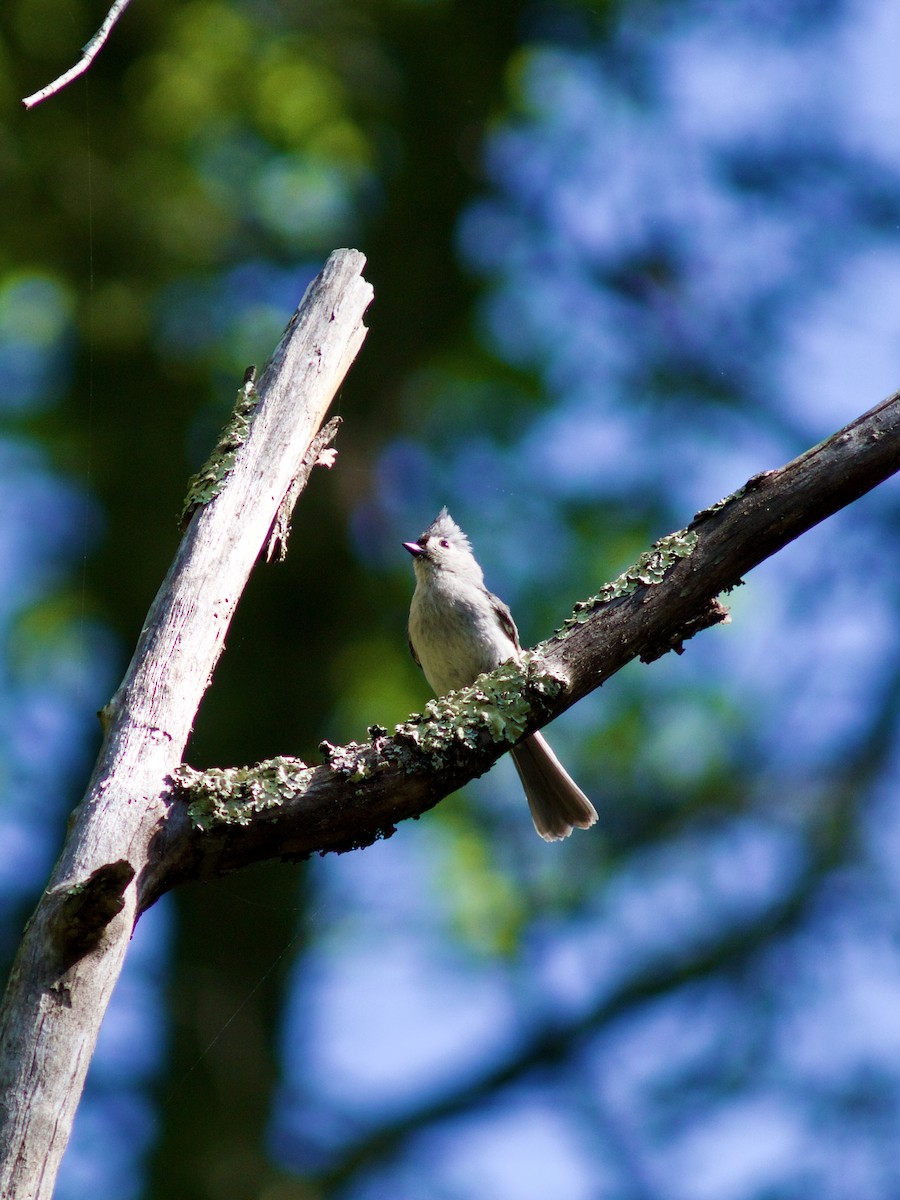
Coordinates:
<point>457,635</point>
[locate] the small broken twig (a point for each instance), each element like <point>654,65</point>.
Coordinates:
<point>88,54</point>
<point>318,455</point>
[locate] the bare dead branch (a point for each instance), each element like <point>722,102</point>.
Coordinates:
<point>76,940</point>
<point>88,54</point>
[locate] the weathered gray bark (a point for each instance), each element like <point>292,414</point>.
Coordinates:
<point>76,940</point>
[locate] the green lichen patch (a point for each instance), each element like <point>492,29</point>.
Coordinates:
<point>210,479</point>
<point>712,509</point>
<point>234,795</point>
<point>649,570</point>
<point>355,761</point>
<point>499,703</point>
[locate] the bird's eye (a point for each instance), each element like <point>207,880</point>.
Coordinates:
<point>445,543</point>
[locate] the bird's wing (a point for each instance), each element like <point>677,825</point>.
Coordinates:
<point>412,650</point>
<point>505,619</point>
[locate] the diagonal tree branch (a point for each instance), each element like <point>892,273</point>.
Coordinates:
<point>76,940</point>
<point>284,808</point>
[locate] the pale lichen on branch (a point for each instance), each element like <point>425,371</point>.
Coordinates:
<point>234,795</point>
<point>496,709</point>
<point>650,569</point>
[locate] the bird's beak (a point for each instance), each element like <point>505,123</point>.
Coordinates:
<point>414,548</point>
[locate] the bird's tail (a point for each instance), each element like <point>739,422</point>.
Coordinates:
<point>557,803</point>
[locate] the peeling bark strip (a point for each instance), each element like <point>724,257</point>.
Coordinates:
<point>75,943</point>
<point>284,808</point>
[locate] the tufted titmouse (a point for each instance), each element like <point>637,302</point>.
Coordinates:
<point>457,631</point>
